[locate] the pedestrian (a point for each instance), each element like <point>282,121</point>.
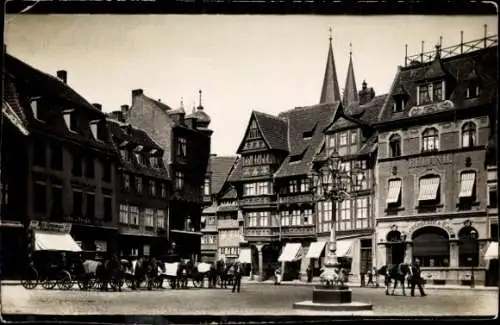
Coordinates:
<point>277,276</point>
<point>362,275</point>
<point>375,275</point>
<point>309,274</point>
<point>370,278</point>
<point>238,271</point>
<point>416,278</point>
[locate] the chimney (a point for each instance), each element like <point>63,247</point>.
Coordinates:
<point>124,109</point>
<point>366,94</point>
<point>136,93</point>
<point>116,115</point>
<point>98,106</point>
<point>63,75</point>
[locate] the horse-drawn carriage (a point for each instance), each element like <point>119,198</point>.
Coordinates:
<point>50,268</point>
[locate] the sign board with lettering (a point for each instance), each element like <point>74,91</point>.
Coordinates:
<point>430,161</point>
<point>46,226</point>
<point>432,222</point>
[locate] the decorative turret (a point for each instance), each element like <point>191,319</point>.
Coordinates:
<point>202,118</point>
<point>330,92</point>
<point>350,90</point>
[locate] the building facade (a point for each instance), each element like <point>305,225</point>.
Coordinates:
<point>286,222</point>
<point>186,144</point>
<point>219,168</point>
<point>63,169</point>
<point>432,175</point>
<point>142,187</point>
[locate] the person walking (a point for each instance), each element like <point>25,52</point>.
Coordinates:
<point>238,272</point>
<point>277,276</point>
<point>416,278</point>
<point>370,278</point>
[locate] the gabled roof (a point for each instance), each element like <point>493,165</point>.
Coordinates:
<point>220,168</point>
<point>350,90</point>
<point>44,83</point>
<point>272,129</point>
<point>483,61</point>
<point>229,194</point>
<point>126,132</point>
<point>330,92</point>
<point>305,119</point>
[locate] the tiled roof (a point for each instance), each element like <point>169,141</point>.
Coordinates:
<point>44,83</point>
<point>220,167</point>
<point>274,130</point>
<point>229,194</point>
<point>312,120</point>
<point>11,97</point>
<point>457,68</point>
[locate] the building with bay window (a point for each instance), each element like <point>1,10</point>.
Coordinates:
<point>143,187</point>
<point>285,221</point>
<point>435,134</point>
<point>185,140</point>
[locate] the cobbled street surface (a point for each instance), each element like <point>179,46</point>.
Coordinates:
<point>254,299</point>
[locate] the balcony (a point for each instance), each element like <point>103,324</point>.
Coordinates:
<point>256,201</point>
<point>296,198</point>
<point>260,232</point>
<point>209,228</point>
<point>208,247</point>
<point>228,224</point>
<point>297,231</point>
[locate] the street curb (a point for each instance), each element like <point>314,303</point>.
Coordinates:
<point>357,285</point>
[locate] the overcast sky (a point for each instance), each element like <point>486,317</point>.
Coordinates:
<point>242,63</point>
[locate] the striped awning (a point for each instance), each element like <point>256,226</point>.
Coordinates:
<point>290,253</point>
<point>245,255</point>
<point>492,251</point>
<point>315,249</point>
<point>394,191</point>
<point>45,241</point>
<point>467,184</point>
<point>428,189</point>
<point>344,248</point>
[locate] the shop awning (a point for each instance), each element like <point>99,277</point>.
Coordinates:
<point>394,191</point>
<point>344,248</point>
<point>467,184</point>
<point>315,249</point>
<point>45,241</point>
<point>428,189</point>
<point>290,252</point>
<point>492,251</point>
<point>245,255</point>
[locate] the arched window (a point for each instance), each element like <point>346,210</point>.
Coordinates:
<point>468,253</point>
<point>395,145</point>
<point>468,135</point>
<point>430,140</point>
<point>431,246</point>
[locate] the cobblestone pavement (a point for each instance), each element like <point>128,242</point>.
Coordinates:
<point>253,299</point>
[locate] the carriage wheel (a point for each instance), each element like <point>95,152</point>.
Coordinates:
<point>81,284</point>
<point>129,283</point>
<point>196,283</point>
<point>92,284</point>
<point>30,279</point>
<point>116,284</point>
<point>65,282</point>
<point>49,283</point>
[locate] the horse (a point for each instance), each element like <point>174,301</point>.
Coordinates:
<point>144,270</point>
<point>396,272</point>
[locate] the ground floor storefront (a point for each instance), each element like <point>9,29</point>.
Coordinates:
<point>297,260</point>
<point>91,238</point>
<point>142,245</point>
<point>451,250</point>
<point>13,249</point>
<point>187,243</point>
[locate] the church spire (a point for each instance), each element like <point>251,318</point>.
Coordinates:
<point>350,90</point>
<point>330,90</point>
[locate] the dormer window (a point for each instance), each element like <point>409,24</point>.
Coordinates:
<point>71,120</point>
<point>472,91</point>
<point>253,132</point>
<point>399,104</point>
<point>431,92</point>
<point>34,104</point>
<point>94,127</point>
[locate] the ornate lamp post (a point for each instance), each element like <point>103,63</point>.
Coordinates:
<point>333,295</point>
<point>334,183</point>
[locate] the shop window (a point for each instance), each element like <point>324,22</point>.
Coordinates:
<point>431,246</point>
<point>468,253</point>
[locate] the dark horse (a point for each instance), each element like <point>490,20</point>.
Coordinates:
<point>146,269</point>
<point>223,273</point>
<point>396,272</point>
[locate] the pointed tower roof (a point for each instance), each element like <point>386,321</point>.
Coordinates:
<point>330,91</point>
<point>350,90</point>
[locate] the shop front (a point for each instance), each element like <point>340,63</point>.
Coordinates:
<point>451,251</point>
<point>93,238</point>
<point>12,249</point>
